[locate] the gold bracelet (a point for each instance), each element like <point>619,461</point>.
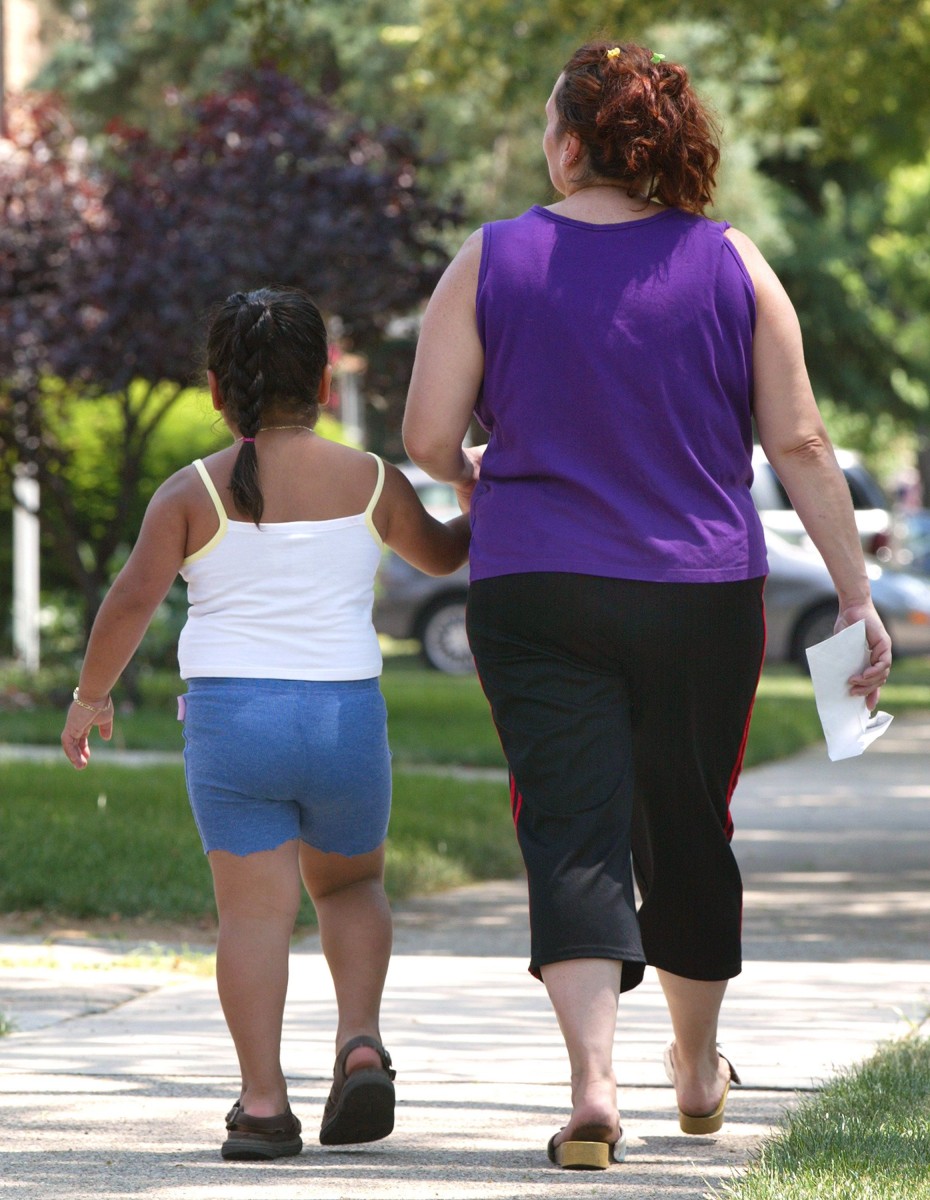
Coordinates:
<point>83,703</point>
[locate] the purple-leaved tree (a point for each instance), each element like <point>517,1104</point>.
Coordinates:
<point>107,289</point>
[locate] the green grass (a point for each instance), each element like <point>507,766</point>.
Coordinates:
<point>117,840</point>
<point>151,727</point>
<point>120,841</point>
<point>785,716</point>
<point>865,1136</point>
<point>432,718</point>
<point>448,832</point>
<point>436,718</point>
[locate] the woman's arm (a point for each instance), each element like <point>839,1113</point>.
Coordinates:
<point>432,546</point>
<point>447,373</point>
<point>797,445</point>
<point>125,614</point>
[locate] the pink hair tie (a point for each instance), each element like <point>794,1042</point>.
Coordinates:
<point>248,439</point>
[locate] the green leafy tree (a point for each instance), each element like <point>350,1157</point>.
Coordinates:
<point>824,104</point>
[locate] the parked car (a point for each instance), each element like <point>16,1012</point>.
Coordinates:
<point>914,534</point>
<point>874,516</point>
<point>801,607</point>
<point>429,609</point>
<point>800,601</point>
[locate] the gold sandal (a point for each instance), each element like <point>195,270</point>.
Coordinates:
<point>588,1150</point>
<point>712,1121</point>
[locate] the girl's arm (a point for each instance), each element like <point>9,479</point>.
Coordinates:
<point>125,614</point>
<point>406,526</point>
<point>797,445</point>
<point>447,373</point>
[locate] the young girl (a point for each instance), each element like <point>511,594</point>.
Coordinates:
<point>288,770</point>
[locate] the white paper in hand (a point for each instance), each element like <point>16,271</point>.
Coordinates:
<point>847,725</point>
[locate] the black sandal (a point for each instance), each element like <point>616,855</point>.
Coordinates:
<point>254,1139</point>
<point>360,1107</point>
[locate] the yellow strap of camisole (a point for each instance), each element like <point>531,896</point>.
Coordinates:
<point>224,520</point>
<point>220,512</point>
<point>375,497</point>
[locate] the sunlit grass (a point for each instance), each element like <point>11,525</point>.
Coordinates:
<point>145,956</point>
<point>117,840</point>
<point>864,1136</point>
<point>443,719</point>
<point>121,841</point>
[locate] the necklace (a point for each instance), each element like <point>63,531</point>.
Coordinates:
<point>269,428</point>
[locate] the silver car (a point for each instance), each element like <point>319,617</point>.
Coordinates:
<point>429,609</point>
<point>801,607</point>
<point>800,601</point>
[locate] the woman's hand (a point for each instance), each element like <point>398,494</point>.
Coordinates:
<point>80,721</point>
<point>869,682</point>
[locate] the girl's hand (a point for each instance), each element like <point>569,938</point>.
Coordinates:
<point>80,721</point>
<point>464,487</point>
<point>868,682</point>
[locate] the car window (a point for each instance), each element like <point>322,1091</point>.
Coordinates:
<point>436,495</point>
<point>783,499</point>
<point>863,488</point>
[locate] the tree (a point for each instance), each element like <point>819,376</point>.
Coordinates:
<point>850,73</point>
<point>854,70</point>
<point>823,100</point>
<point>265,183</point>
<point>53,208</point>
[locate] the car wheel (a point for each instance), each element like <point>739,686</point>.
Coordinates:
<point>815,626</point>
<point>444,640</point>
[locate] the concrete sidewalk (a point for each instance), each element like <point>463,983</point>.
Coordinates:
<point>117,1080</point>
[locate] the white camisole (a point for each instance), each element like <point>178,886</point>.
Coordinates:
<point>289,600</point>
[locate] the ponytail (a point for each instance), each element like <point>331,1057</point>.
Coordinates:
<point>267,348</point>
<point>251,334</point>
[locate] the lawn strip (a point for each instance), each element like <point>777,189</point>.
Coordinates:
<point>864,1136</point>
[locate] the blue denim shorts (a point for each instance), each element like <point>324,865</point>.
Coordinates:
<point>270,760</point>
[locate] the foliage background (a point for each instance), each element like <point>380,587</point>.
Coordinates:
<point>823,106</point>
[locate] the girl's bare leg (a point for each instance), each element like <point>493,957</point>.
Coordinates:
<point>257,898</point>
<point>356,936</point>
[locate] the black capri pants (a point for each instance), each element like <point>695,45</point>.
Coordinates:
<point>623,709</point>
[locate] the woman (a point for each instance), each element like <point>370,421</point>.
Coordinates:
<point>278,537</point>
<point>617,346</point>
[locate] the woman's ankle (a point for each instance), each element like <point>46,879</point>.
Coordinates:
<point>594,1105</point>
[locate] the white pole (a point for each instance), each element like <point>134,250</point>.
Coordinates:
<point>352,406</point>
<point>26,570</point>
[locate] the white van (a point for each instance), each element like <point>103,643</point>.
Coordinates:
<point>873,513</point>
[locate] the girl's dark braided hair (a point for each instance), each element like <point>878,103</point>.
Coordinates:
<point>268,351</point>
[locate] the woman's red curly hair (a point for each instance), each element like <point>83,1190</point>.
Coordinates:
<point>641,122</point>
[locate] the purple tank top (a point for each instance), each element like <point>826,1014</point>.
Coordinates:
<point>617,396</point>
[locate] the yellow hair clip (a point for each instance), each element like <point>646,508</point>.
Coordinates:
<point>614,52</point>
